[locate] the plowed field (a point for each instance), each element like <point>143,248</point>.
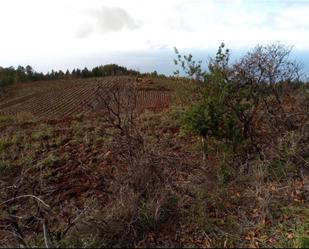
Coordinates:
<point>53,99</point>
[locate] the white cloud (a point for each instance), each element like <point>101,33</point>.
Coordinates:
<point>107,19</point>
<point>85,30</point>
<point>52,28</point>
<point>114,19</point>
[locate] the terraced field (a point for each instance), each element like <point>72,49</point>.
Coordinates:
<point>53,99</point>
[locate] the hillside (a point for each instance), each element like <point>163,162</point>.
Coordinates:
<point>104,162</point>
<point>154,124</point>
<point>65,98</point>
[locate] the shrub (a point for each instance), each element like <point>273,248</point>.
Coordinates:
<point>232,103</point>
<point>213,114</point>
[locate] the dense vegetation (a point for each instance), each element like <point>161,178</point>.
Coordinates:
<point>226,165</point>
<point>229,102</point>
<point>12,75</point>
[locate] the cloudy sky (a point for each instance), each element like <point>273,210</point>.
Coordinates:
<point>141,34</point>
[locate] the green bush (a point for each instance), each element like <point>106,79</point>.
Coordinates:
<point>214,114</point>
<point>232,103</point>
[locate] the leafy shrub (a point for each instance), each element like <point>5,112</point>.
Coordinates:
<point>232,103</point>
<point>213,114</point>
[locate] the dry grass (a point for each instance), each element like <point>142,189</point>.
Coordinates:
<point>22,117</point>
<point>142,183</point>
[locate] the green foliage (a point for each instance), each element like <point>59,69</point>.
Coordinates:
<point>213,113</point>
<point>228,99</point>
<point>299,237</point>
<point>11,75</point>
<point>190,67</point>
<point>111,70</point>
<point>204,118</point>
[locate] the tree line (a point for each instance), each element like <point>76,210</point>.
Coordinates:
<point>11,75</point>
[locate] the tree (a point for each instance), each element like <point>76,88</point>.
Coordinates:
<point>85,73</point>
<point>209,115</point>
<point>21,74</point>
<point>29,72</point>
<point>78,73</point>
<point>67,74</point>
<point>229,100</point>
<point>96,72</point>
<point>11,75</point>
<point>61,74</point>
<point>256,79</point>
<point>154,73</point>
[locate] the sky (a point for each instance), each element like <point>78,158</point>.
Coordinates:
<point>140,34</point>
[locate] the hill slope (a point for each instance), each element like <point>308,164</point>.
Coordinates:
<point>56,99</point>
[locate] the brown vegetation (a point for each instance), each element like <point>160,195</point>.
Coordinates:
<point>48,100</point>
<point>121,176</point>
